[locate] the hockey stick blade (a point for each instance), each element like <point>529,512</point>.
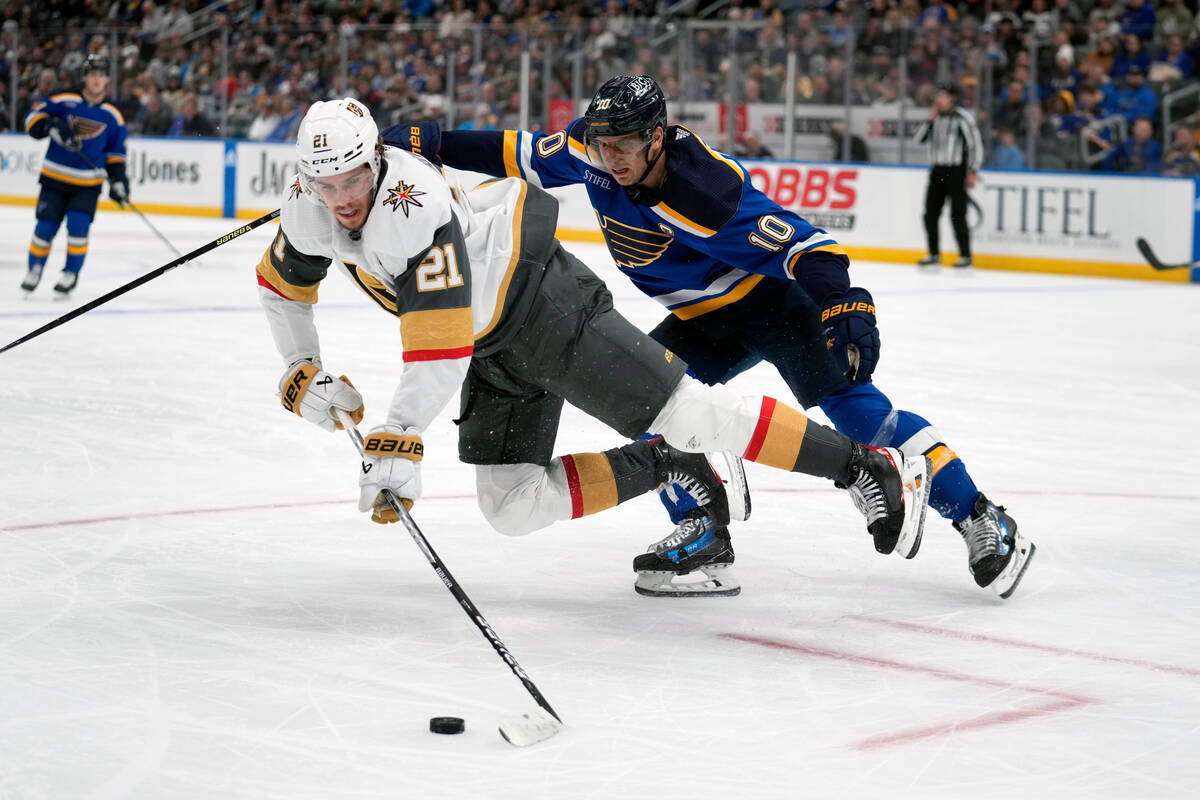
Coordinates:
<point>1147,253</point>
<point>536,726</point>
<point>520,731</point>
<point>136,282</point>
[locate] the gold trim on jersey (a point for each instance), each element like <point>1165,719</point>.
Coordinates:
<point>267,272</point>
<point>511,156</point>
<point>49,172</point>
<point>373,287</point>
<point>517,215</point>
<point>712,304</point>
<point>836,249</point>
<point>691,226</point>
<point>437,329</point>
<point>631,246</point>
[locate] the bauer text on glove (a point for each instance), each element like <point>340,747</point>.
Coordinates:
<point>848,321</point>
<point>310,392</point>
<point>391,460</point>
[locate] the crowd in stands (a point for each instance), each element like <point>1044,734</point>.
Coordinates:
<point>1037,73</point>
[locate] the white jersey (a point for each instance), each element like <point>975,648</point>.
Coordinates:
<point>447,262</point>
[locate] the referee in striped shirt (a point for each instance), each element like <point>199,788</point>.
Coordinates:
<point>956,151</point>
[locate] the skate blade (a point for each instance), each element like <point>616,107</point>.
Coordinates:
<point>917,486</point>
<point>1010,577</point>
<point>706,582</point>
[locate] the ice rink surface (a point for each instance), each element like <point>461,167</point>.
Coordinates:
<point>192,607</point>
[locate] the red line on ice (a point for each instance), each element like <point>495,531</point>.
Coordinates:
<point>937,630</point>
<point>1054,701</point>
<point>191,512</point>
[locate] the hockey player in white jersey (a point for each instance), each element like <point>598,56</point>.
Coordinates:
<point>490,305</point>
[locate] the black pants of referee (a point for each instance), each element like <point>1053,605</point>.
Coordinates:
<point>943,182</point>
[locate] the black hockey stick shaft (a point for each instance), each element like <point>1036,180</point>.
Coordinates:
<point>449,581</point>
<point>136,282</point>
<point>136,210</point>
<point>1152,259</point>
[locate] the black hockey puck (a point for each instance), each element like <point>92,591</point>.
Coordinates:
<point>447,725</point>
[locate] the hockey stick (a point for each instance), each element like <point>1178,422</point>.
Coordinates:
<point>132,207</point>
<point>1148,254</point>
<point>526,729</point>
<point>149,276</point>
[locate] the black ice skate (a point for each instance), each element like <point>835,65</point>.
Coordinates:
<point>32,278</point>
<point>892,492</point>
<point>66,283</point>
<point>996,552</point>
<point>693,561</point>
<point>699,547</point>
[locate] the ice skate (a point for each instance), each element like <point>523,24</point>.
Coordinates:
<point>32,278</point>
<point>931,261</point>
<point>66,283</point>
<point>693,561</point>
<point>892,492</point>
<point>963,262</point>
<point>996,552</point>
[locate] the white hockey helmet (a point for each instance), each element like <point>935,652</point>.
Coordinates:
<point>335,137</point>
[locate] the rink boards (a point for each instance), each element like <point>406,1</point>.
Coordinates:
<point>1060,222</point>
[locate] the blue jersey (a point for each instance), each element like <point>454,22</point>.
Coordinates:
<point>101,132</point>
<point>700,242</point>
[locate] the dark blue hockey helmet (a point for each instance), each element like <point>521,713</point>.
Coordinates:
<point>627,104</point>
<point>95,62</point>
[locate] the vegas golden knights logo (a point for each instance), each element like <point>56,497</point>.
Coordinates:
<point>634,247</point>
<point>353,109</point>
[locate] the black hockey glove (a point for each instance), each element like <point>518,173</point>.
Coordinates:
<point>848,321</point>
<point>424,138</point>
<point>63,134</point>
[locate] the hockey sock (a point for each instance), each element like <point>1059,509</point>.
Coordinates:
<point>786,439</point>
<point>39,246</point>
<point>865,414</point>
<point>78,225</point>
<point>952,493</point>
<point>597,481</point>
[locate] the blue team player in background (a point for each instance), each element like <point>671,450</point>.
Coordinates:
<point>745,280</point>
<point>87,140</point>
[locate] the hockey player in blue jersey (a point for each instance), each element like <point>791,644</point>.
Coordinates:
<point>87,141</point>
<point>745,281</point>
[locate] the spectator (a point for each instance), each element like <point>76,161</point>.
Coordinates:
<point>1172,18</point>
<point>1137,19</point>
<point>1133,100</point>
<point>1139,153</point>
<point>484,120</point>
<point>190,122</point>
<point>1132,54</point>
<point>1103,55</point>
<point>1173,63</point>
<point>154,118</point>
<point>751,146</point>
<point>858,147</point>
<point>1063,78</point>
<point>1006,154</point>
<point>265,120</point>
<point>1184,157</point>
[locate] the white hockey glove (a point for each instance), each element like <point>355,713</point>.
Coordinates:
<point>310,392</point>
<point>391,460</point>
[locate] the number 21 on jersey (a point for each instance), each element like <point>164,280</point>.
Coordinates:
<point>439,270</point>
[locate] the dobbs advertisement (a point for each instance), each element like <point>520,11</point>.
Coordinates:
<point>1027,215</point>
